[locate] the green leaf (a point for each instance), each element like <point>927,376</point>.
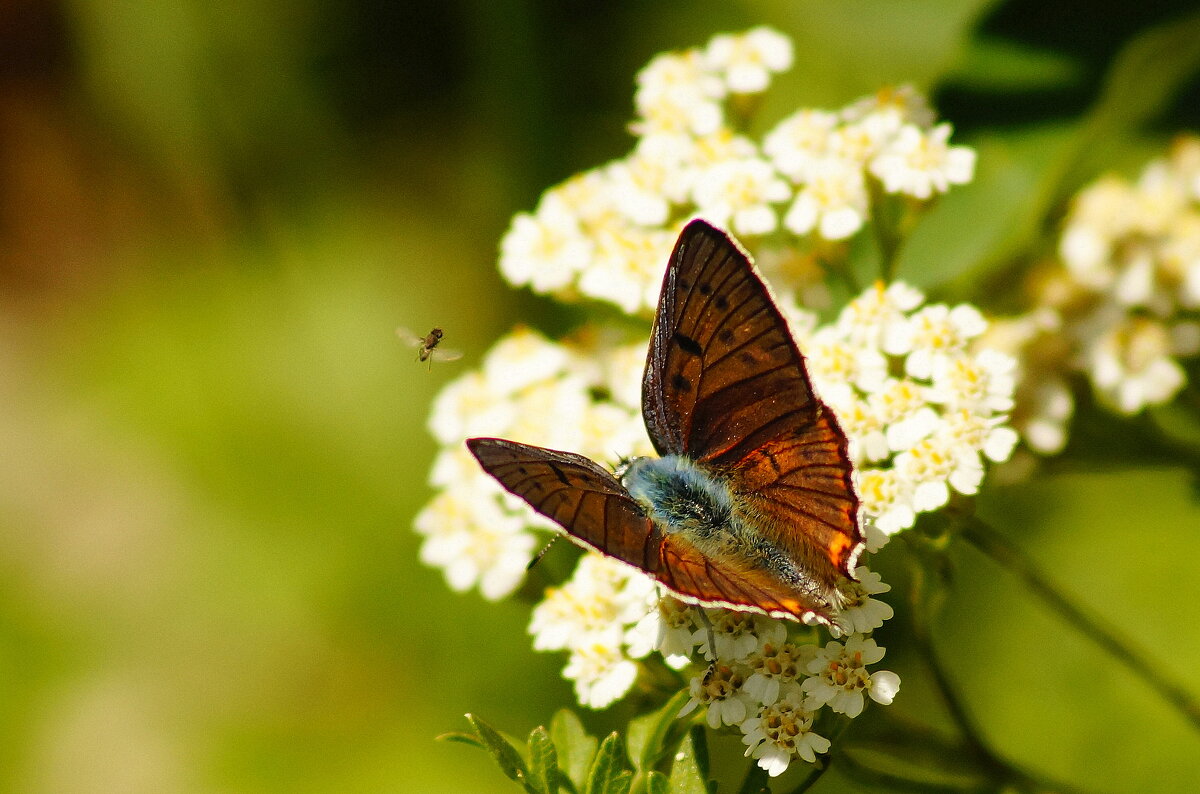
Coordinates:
<point>920,759</point>
<point>543,762</point>
<point>657,783</point>
<point>575,746</point>
<point>995,64</point>
<point>621,784</point>
<point>465,738</point>
<point>1118,574</point>
<point>501,749</point>
<point>1150,70</point>
<point>647,735</point>
<point>637,736</point>
<point>610,768</point>
<point>566,784</point>
<point>689,773</point>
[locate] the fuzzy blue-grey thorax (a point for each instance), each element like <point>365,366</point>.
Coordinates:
<point>680,496</point>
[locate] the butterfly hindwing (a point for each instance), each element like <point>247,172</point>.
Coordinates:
<point>598,512</point>
<point>686,571</point>
<point>800,486</point>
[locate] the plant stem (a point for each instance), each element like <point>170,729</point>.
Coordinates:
<point>885,223</point>
<point>813,777</point>
<point>920,599</point>
<point>834,260</point>
<point>1004,552</point>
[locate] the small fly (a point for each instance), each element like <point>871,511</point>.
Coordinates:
<point>427,346</point>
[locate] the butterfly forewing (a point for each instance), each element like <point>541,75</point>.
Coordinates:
<point>579,495</point>
<point>726,385</point>
<point>723,375</point>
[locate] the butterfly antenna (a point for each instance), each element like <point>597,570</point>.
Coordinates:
<point>622,464</point>
<point>538,557</point>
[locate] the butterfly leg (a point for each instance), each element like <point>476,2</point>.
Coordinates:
<point>538,557</point>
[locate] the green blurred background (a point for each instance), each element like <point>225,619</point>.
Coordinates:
<point>212,218</point>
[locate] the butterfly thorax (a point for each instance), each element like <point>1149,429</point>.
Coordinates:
<point>684,498</point>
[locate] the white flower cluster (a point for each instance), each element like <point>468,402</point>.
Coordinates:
<point>1136,248</point>
<point>1124,304</point>
<point>921,410</point>
<point>608,615</point>
<point>771,687</point>
<point>603,233</point>
<point>593,616</point>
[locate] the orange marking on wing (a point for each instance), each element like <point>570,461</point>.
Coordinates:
<point>839,545</point>
<point>791,605</point>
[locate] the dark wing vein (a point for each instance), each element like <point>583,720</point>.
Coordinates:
<point>793,508</point>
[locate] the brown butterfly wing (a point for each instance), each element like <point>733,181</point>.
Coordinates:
<point>726,385</point>
<point>685,570</point>
<point>723,375</point>
<point>804,481</point>
<point>576,493</point>
<point>598,512</point>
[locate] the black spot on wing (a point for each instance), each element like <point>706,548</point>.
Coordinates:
<point>559,474</point>
<point>687,344</point>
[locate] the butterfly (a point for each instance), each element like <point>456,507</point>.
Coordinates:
<point>751,505</point>
<point>426,345</point>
